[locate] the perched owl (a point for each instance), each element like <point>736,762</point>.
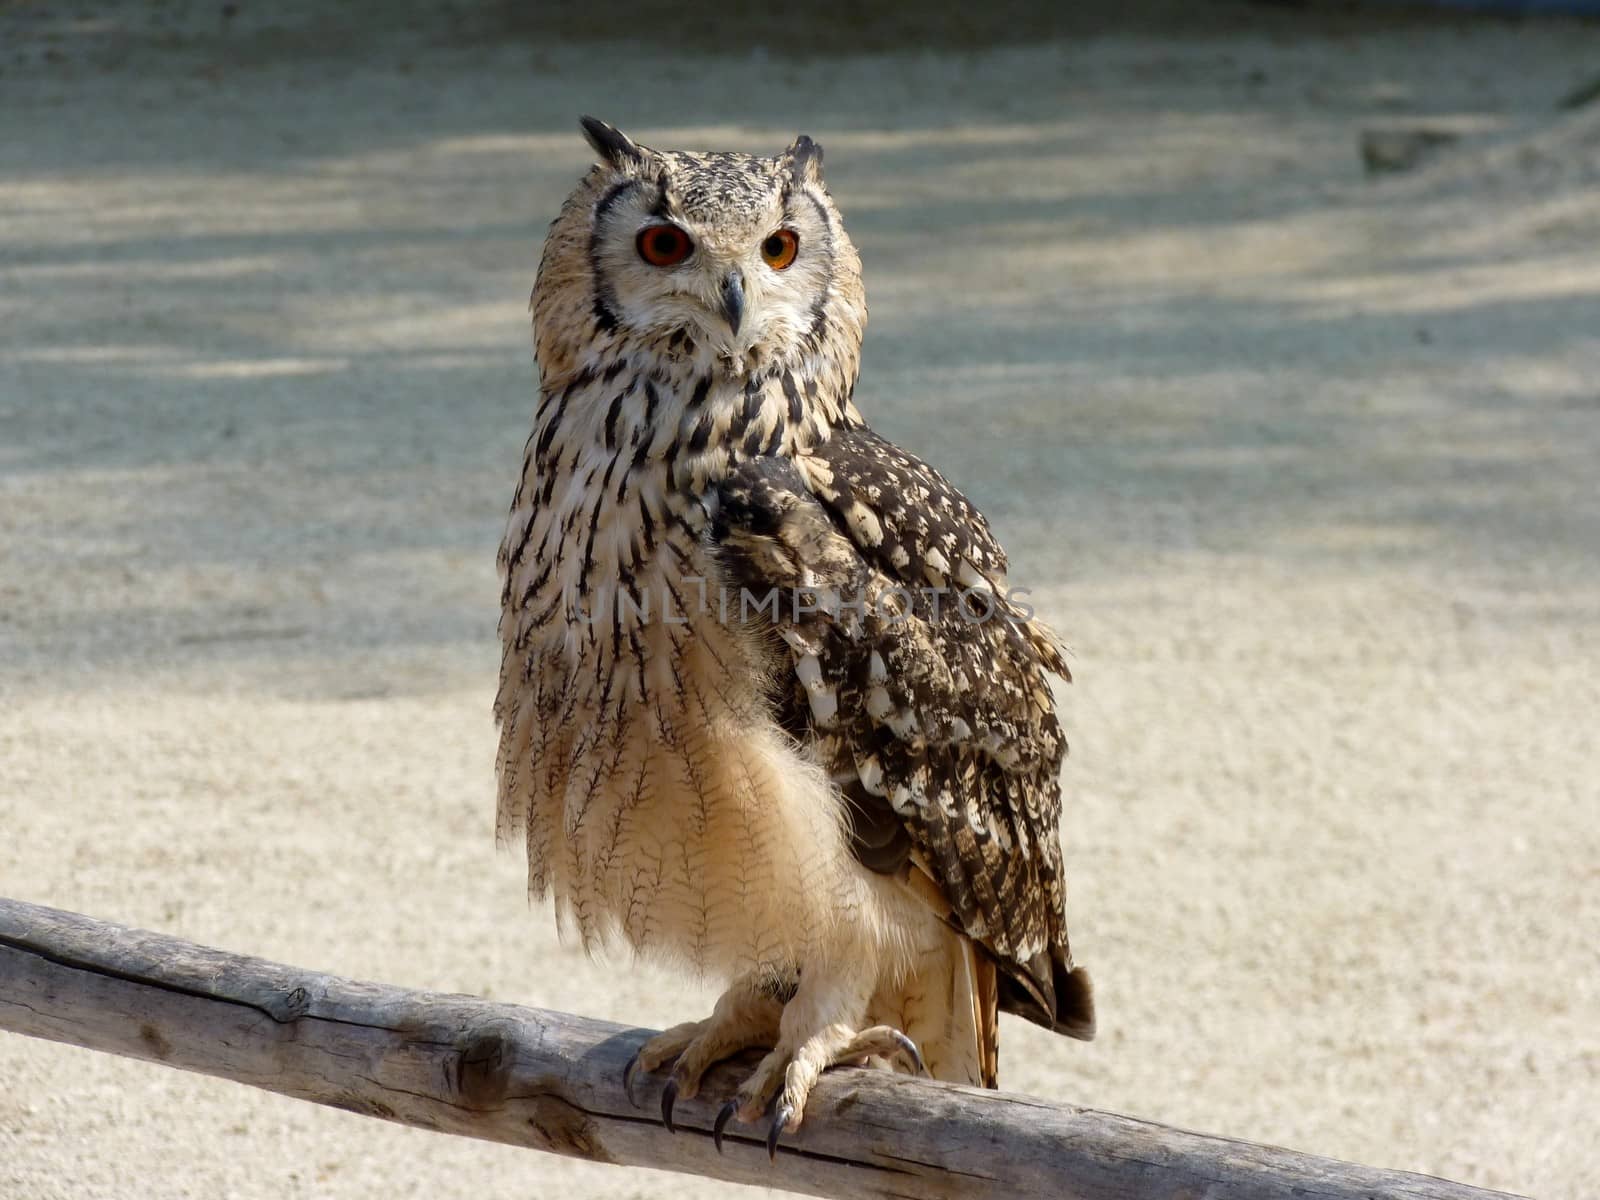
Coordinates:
<point>767,706</point>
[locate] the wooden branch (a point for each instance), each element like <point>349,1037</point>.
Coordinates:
<point>553,1082</point>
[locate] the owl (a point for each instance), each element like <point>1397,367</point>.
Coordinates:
<point>768,708</point>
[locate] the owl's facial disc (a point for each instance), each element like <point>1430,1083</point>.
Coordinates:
<point>729,250</point>
<point>693,281</point>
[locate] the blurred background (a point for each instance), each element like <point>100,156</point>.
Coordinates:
<point>1268,336</point>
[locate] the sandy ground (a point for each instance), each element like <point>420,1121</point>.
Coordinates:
<point>1303,464</point>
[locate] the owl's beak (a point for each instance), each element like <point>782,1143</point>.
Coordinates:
<point>733,299</point>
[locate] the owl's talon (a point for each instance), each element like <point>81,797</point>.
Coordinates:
<point>669,1097</point>
<point>779,1120</point>
<point>627,1077</point>
<point>909,1049</point>
<point>724,1115</point>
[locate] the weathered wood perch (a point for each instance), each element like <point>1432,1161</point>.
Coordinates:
<point>553,1082</point>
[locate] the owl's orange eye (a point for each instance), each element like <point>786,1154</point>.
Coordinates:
<point>664,245</point>
<point>779,249</point>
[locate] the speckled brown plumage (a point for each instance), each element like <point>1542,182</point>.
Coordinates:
<point>930,706</point>
<point>845,807</point>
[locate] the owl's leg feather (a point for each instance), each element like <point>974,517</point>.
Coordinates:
<point>663,1048</point>
<point>886,1042</point>
<point>745,1016</point>
<point>744,1022</point>
<point>794,1070</point>
<point>819,1029</point>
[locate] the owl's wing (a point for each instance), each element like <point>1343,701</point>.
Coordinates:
<point>921,682</point>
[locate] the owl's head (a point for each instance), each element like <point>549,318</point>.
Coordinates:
<point>742,255</point>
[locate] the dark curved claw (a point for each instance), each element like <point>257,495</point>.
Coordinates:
<point>908,1047</point>
<point>627,1077</point>
<point>724,1115</point>
<point>669,1097</point>
<point>779,1120</point>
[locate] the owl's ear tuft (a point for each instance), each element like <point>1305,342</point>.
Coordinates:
<point>610,143</point>
<point>805,160</point>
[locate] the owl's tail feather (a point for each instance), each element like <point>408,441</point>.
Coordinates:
<point>1074,1003</point>
<point>1064,1005</point>
<point>985,985</point>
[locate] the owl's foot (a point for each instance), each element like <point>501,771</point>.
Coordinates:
<point>743,1017</point>
<point>788,1074</point>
